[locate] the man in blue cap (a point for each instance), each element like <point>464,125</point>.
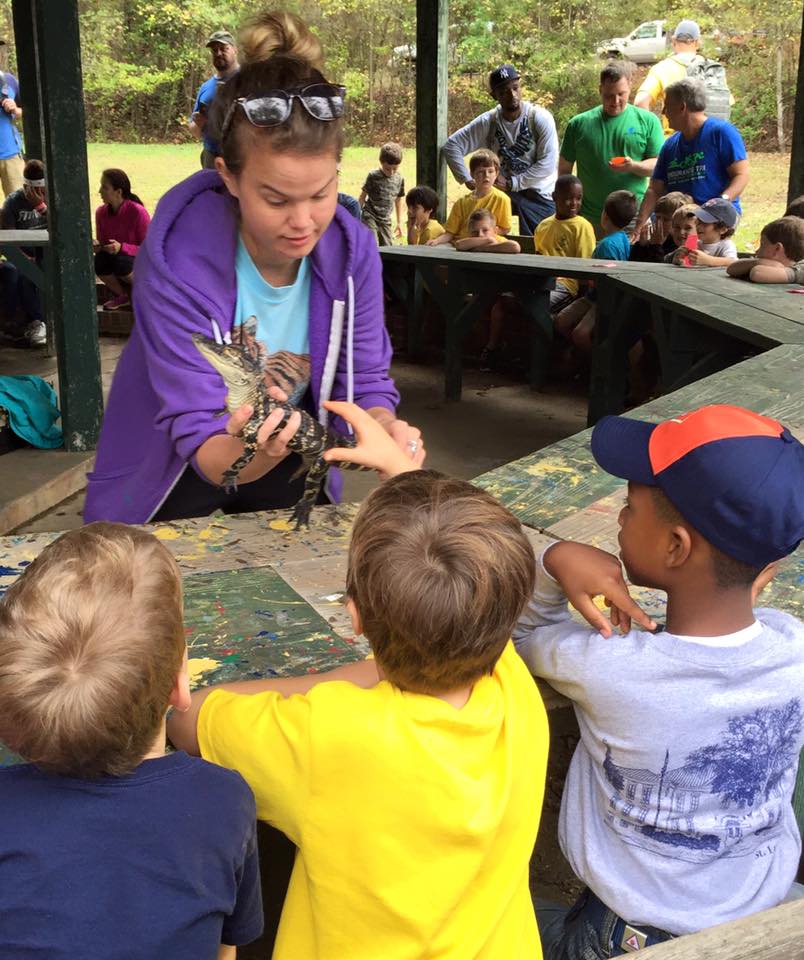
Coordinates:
<point>523,135</point>
<point>221,45</point>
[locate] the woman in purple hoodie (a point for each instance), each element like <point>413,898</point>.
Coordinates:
<point>257,251</point>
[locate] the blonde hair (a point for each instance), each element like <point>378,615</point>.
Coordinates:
<point>483,158</point>
<point>685,212</point>
<point>277,31</point>
<point>91,643</point>
<point>439,572</point>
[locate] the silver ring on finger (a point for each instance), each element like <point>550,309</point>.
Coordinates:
<point>413,446</point>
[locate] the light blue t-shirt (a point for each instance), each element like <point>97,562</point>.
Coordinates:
<point>616,246</point>
<point>275,322</point>
<point>700,166</point>
<point>10,141</point>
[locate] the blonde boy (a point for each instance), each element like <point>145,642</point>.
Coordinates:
<point>384,191</point>
<point>483,236</point>
<point>415,802</point>
<point>110,848</point>
<point>484,166</point>
<point>780,258</point>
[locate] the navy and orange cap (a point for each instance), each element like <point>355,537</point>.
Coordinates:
<point>736,476</point>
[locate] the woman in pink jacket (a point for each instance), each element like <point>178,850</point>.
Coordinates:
<point>121,222</point>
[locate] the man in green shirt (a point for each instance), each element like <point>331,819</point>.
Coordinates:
<point>614,146</point>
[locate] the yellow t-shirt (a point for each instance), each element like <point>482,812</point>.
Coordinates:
<point>565,238</point>
<point>660,76</point>
<point>429,231</point>
<point>496,201</point>
<point>415,821</point>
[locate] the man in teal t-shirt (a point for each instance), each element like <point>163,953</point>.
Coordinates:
<point>614,146</point>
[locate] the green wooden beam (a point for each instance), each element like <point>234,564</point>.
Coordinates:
<point>30,99</point>
<point>795,185</point>
<point>70,274</point>
<point>432,24</point>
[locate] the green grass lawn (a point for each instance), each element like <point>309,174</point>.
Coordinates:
<point>154,168</point>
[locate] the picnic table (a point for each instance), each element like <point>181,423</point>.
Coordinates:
<point>701,319</point>
<point>264,600</point>
<point>10,243</point>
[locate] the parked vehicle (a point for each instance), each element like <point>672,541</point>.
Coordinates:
<point>646,44</point>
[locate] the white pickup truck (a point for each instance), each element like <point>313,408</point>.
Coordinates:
<point>648,43</point>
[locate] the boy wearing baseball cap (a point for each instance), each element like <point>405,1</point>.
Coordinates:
<point>715,223</point>
<point>677,806</point>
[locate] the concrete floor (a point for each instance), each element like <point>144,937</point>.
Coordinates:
<point>499,419</point>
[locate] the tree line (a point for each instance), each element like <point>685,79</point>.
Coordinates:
<point>143,60</point>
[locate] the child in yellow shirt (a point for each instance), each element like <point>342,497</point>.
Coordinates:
<point>483,236</point>
<point>414,801</point>
<point>422,203</point>
<point>484,165</point>
<point>566,234</point>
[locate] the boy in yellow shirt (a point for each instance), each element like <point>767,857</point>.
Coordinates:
<point>566,234</point>
<point>483,236</point>
<point>484,165</point>
<point>422,203</point>
<point>414,801</point>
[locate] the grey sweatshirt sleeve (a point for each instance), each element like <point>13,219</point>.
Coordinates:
<point>547,638</point>
<point>471,137</point>
<point>542,173</point>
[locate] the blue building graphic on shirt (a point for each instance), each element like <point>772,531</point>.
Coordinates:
<point>724,799</point>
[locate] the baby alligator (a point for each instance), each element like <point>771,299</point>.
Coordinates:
<point>245,383</point>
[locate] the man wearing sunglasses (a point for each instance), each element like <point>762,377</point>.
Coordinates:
<point>221,45</point>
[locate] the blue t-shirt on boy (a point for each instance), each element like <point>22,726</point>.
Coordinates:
<point>10,140</point>
<point>160,862</point>
<point>274,322</point>
<point>616,246</point>
<point>700,166</point>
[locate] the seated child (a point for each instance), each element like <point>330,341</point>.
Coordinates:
<point>716,222</point>
<point>382,192</point>
<point>415,802</point>
<point>780,258</point>
<point>682,224</point>
<point>795,208</point>
<point>111,848</point>
<point>656,243</point>
<point>422,204</point>
<point>677,808</point>
<point>565,234</point>
<point>485,168</point>
<point>483,236</point>
<point>576,322</point>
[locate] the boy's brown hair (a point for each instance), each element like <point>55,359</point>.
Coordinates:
<point>391,153</point>
<point>667,204</point>
<point>789,231</point>
<point>795,208</point>
<point>439,572</point>
<point>482,213</point>
<point>621,207</point>
<point>91,643</point>
<point>483,158</point>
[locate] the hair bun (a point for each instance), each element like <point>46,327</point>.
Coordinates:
<point>278,32</point>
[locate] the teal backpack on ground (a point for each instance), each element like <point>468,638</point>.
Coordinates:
<point>713,75</point>
<point>32,411</point>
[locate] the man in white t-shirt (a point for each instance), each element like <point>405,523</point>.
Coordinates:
<point>523,135</point>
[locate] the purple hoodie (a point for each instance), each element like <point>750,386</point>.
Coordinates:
<point>166,400</point>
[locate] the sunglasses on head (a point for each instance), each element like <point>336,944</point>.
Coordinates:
<point>324,101</point>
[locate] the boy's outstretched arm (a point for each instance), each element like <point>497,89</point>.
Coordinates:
<point>374,449</point>
<point>182,728</point>
<point>584,573</point>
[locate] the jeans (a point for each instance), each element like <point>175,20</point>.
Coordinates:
<point>587,930</point>
<point>16,289</point>
<point>531,208</point>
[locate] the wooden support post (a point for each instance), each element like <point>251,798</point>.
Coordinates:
<point>796,183</point>
<point>30,97</point>
<point>70,273</point>
<point>432,24</point>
